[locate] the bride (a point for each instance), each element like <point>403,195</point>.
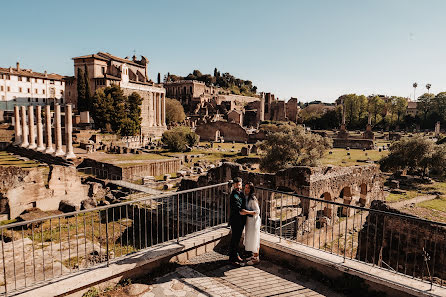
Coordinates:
<point>252,227</point>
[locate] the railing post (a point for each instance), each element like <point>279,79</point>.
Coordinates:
<point>346,230</point>
<point>4,266</point>
<point>178,218</point>
<point>106,236</point>
<point>280,222</point>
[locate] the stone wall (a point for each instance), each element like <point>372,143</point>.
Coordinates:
<point>41,187</point>
<point>132,172</point>
<point>352,143</point>
<point>355,185</point>
<point>399,243</point>
<point>229,131</point>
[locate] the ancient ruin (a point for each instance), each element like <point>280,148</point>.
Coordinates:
<point>26,138</point>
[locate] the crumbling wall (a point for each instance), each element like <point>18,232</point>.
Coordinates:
<point>41,187</point>
<point>229,131</point>
<point>364,183</point>
<point>398,242</point>
<point>353,143</point>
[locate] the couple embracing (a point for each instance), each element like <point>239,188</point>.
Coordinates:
<point>244,214</point>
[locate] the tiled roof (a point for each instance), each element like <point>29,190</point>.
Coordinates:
<point>108,57</point>
<point>30,73</point>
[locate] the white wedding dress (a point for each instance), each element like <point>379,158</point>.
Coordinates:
<point>252,227</point>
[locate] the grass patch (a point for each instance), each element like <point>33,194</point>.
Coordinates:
<point>339,157</point>
<point>6,222</point>
<point>438,204</point>
<point>400,197</point>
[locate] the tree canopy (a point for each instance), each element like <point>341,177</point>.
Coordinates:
<point>226,80</point>
<point>416,155</point>
<point>174,111</point>
<point>115,112</point>
<point>291,145</point>
<point>179,139</point>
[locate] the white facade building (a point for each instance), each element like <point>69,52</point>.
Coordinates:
<point>26,87</point>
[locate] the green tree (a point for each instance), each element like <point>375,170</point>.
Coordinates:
<point>400,106</point>
<point>117,113</point>
<point>425,104</point>
<point>417,155</point>
<point>103,109</point>
<point>292,146</point>
<point>131,124</point>
<point>174,111</point>
<point>88,97</point>
<point>440,105</point>
<point>81,91</point>
<point>179,139</point>
<point>376,107</point>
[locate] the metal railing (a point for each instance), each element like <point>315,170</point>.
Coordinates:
<point>401,243</point>
<point>44,249</point>
<point>40,250</point>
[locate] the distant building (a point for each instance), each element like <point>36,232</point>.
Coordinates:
<point>412,108</point>
<point>105,70</point>
<point>26,87</point>
<point>194,95</point>
<point>235,116</point>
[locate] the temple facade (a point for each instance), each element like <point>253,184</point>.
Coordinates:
<point>105,70</point>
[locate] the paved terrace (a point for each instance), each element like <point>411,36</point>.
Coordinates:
<point>210,275</point>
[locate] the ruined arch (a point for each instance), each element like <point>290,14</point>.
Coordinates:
<point>328,208</point>
<point>346,195</point>
<point>363,194</point>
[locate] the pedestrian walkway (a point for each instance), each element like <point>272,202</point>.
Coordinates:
<point>210,275</point>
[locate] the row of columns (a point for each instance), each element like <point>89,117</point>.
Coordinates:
<point>25,136</point>
<point>159,109</point>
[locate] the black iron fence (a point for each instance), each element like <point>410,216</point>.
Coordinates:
<point>37,251</point>
<point>40,250</point>
<point>401,243</point>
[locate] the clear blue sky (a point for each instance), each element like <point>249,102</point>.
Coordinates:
<point>313,50</point>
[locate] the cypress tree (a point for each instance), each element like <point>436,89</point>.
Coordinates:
<point>81,90</point>
<point>159,77</point>
<point>88,99</point>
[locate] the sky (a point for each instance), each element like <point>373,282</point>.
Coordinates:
<point>312,50</point>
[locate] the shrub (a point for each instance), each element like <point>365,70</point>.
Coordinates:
<point>179,139</point>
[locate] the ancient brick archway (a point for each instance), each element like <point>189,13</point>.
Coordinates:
<point>347,197</point>
<point>363,199</point>
<point>328,211</point>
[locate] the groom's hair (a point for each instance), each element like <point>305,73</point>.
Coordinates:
<point>237,180</point>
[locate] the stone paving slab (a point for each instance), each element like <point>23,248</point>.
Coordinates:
<point>216,278</point>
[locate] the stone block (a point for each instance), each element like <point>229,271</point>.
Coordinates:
<point>68,206</point>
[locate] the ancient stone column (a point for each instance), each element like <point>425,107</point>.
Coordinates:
<point>17,128</point>
<point>58,132</point>
<point>158,96</point>
<point>152,110</point>
<point>155,114</point>
<point>49,139</point>
<point>32,133</point>
<point>25,142</point>
<point>69,132</point>
<point>164,109</point>
<point>40,145</point>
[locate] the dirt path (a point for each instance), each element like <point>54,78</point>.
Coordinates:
<point>418,199</point>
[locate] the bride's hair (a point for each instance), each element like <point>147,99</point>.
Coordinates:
<point>251,190</point>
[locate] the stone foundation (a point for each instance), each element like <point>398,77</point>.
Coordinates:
<point>352,143</point>
<point>41,187</point>
<point>132,172</point>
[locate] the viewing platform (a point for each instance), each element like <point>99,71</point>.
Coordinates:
<point>176,244</point>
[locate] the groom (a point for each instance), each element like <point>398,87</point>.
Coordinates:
<point>237,219</point>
